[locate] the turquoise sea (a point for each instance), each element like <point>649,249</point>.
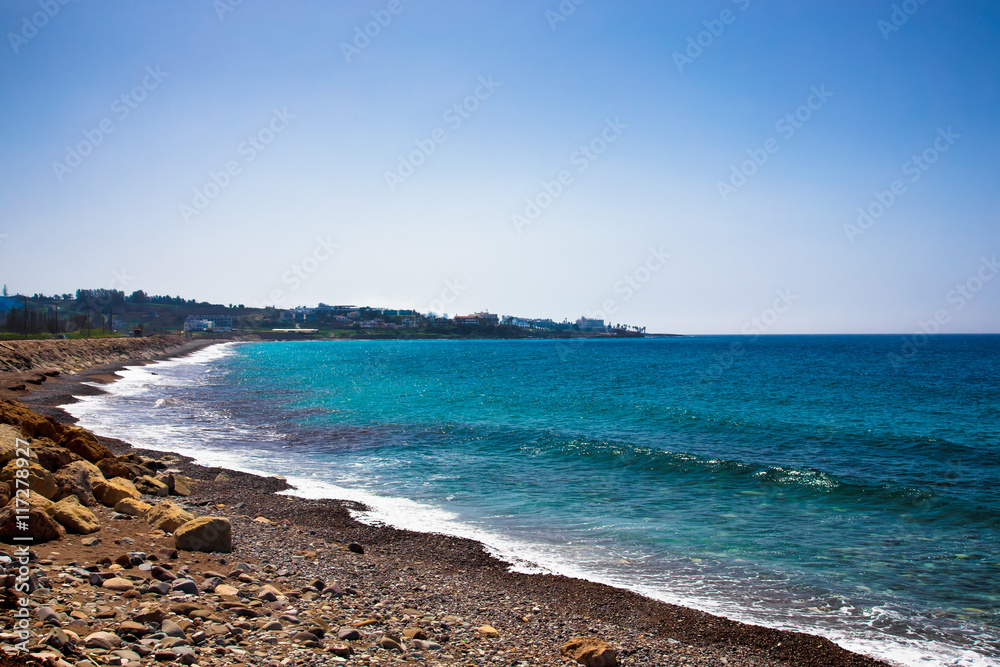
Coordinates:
<point>830,484</point>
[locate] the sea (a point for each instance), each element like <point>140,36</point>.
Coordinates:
<point>845,486</point>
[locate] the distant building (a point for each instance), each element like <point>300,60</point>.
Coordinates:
<point>484,319</point>
<point>587,324</point>
<point>208,323</point>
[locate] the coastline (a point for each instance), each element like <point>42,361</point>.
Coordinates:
<point>480,587</point>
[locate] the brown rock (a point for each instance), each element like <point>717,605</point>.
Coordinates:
<point>4,493</point>
<point>9,435</point>
<point>31,423</point>
<point>211,534</point>
<point>40,526</point>
<point>118,584</point>
<point>590,651</point>
<point>34,500</point>
<point>110,491</point>
<point>74,516</point>
<point>414,633</point>
<point>152,487</point>
<point>39,479</point>
<point>167,516</point>
<point>82,442</point>
<point>132,507</point>
<point>149,615</point>
<point>488,631</point>
<point>181,485</point>
<point>50,455</point>
<point>74,480</point>
<point>112,467</point>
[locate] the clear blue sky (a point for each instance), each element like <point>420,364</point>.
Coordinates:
<point>649,226</point>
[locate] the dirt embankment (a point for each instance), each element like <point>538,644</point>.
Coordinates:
<point>71,356</point>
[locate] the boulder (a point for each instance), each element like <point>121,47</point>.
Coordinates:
<point>590,651</point>
<point>75,517</point>
<point>31,423</point>
<point>34,500</point>
<point>50,455</point>
<point>82,442</point>
<point>75,480</point>
<point>210,533</point>
<point>110,491</point>
<point>151,486</point>
<point>132,507</point>
<point>40,526</point>
<point>167,516</point>
<point>39,479</point>
<point>9,435</point>
<point>112,467</point>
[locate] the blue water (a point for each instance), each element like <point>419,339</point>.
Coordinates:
<point>803,482</point>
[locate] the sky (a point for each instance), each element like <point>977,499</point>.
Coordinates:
<point>697,167</point>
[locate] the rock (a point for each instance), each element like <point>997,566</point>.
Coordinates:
<point>488,631</point>
<point>348,634</point>
<point>171,629</point>
<point>226,589</point>
<point>118,584</point>
<point>162,574</point>
<point>75,479</point>
<point>90,542</point>
<point>165,655</point>
<point>132,507</point>
<point>9,435</point>
<point>104,640</point>
<point>82,442</point>
<point>211,534</point>
<point>305,637</point>
<point>186,586</point>
<point>356,548</point>
<point>160,588</point>
<point>34,500</point>
<point>181,485</point>
<point>36,524</point>
<point>414,633</point>
<point>58,639</point>
<point>167,554</point>
<point>132,628</point>
<point>50,455</point>
<point>590,651</point>
<point>151,486</point>
<point>112,467</point>
<point>167,516</point>
<point>39,479</point>
<point>390,644</point>
<point>273,626</point>
<point>149,615</point>
<point>75,517</point>
<point>4,493</point>
<point>48,615</point>
<point>110,491</point>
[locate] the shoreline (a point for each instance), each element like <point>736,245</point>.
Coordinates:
<point>659,632</point>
